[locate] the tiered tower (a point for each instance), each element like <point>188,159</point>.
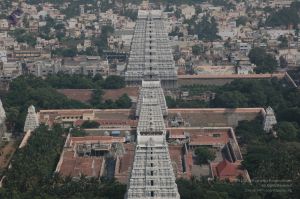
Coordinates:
<point>2,121</point>
<point>151,55</point>
<point>32,121</point>
<point>152,174</point>
<point>152,89</point>
<point>269,119</point>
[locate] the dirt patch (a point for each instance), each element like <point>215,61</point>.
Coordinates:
<point>6,153</point>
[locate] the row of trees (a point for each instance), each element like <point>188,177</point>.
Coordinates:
<point>79,81</point>
<point>30,90</point>
<point>206,29</point>
<point>23,36</point>
<point>285,16</point>
<point>247,93</point>
<point>265,62</point>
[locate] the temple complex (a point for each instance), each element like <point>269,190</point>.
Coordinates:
<point>151,55</point>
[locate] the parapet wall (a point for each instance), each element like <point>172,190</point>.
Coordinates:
<point>186,80</point>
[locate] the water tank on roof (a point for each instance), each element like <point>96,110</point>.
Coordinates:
<point>115,133</point>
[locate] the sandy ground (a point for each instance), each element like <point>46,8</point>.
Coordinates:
<point>6,153</point>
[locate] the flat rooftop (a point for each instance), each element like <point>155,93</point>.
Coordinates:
<point>203,117</point>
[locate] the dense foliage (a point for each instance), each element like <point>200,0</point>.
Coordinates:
<point>204,155</point>
<point>265,62</point>
<point>32,172</point>
<point>195,189</point>
<point>23,36</point>
<point>248,93</point>
<point>29,90</point>
<point>271,158</point>
<point>90,124</point>
<point>101,41</point>
<point>207,29</point>
<point>285,16</point>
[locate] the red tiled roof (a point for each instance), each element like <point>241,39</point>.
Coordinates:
<point>207,138</point>
<point>225,168</point>
<point>76,166</point>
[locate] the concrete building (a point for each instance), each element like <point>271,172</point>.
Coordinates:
<point>151,56</point>
<point>10,70</point>
<point>152,174</point>
<point>87,66</point>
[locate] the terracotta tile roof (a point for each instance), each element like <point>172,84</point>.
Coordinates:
<point>225,168</point>
<point>176,157</point>
<point>209,138</point>
<point>124,163</point>
<point>176,134</point>
<point>76,166</point>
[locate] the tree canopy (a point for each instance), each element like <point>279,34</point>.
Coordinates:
<point>285,16</point>
<point>265,62</point>
<point>204,155</point>
<point>32,172</point>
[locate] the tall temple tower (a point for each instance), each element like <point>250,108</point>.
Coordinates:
<point>269,119</point>
<point>152,89</point>
<point>2,122</point>
<point>151,55</point>
<point>32,121</point>
<point>152,174</point>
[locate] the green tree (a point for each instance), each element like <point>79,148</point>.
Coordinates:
<point>197,50</point>
<point>114,82</point>
<point>204,154</point>
<point>77,132</point>
<point>90,124</point>
<point>283,41</point>
<point>284,17</point>
<point>123,102</point>
<point>241,21</point>
<point>287,131</point>
<point>265,62</point>
<point>207,29</point>
<point>231,99</point>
